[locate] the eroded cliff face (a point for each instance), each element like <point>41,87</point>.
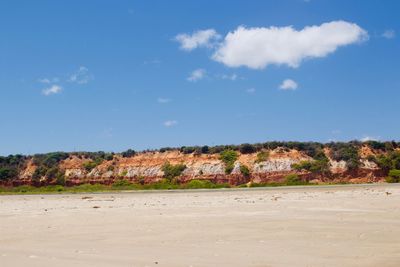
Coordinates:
<point>147,168</point>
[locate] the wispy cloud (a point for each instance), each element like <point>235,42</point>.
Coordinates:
<point>162,100</point>
<point>170,123</point>
<point>232,77</point>
<point>54,89</point>
<point>251,90</point>
<point>288,84</point>
<point>48,80</point>
<point>389,34</point>
<point>196,75</point>
<point>81,76</point>
<point>202,38</point>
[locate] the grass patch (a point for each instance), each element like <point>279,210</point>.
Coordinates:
<point>199,184</point>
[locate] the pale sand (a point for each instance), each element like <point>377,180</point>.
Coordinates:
<point>309,226</point>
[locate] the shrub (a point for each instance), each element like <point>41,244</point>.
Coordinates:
<point>60,179</point>
<point>394,176</point>
<point>49,160</point>
<point>347,152</point>
<point>123,173</point>
<point>293,179</point>
<point>172,171</point>
<point>188,149</point>
<point>244,170</point>
<point>262,156</point>
<point>55,173</point>
<point>163,184</point>
<point>247,148</point>
<point>109,156</point>
<point>315,166</point>
<point>141,180</point>
<point>124,184</point>
<point>302,165</point>
<point>165,149</point>
<point>39,172</point>
<point>90,165</point>
<point>111,168</point>
<point>389,161</point>
<point>194,184</point>
<point>228,157</point>
<point>205,149</point>
<point>7,173</point>
<point>375,144</point>
<point>128,153</point>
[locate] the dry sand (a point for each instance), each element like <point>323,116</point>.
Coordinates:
<point>306,226</point>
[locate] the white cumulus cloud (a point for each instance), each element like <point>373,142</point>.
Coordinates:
<point>202,38</point>
<point>54,89</point>
<point>81,76</point>
<point>367,138</point>
<point>170,123</point>
<point>196,75</point>
<point>259,47</point>
<point>389,34</point>
<point>288,84</point>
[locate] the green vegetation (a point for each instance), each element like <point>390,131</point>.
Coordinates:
<point>294,179</point>
<point>228,157</point>
<point>48,166</point>
<point>198,184</point>
<point>382,146</point>
<point>128,153</point>
<point>118,185</point>
<point>171,171</point>
<point>262,156</point>
<point>124,185</point>
<point>247,149</point>
<point>390,161</point>
<point>244,170</point>
<point>10,166</point>
<point>93,155</point>
<point>393,176</point>
<point>123,173</point>
<point>315,166</point>
<point>347,152</point>
<point>7,173</point>
<point>90,165</point>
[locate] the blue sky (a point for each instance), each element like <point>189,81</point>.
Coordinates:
<point>113,75</point>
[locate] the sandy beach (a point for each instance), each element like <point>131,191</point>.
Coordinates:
<point>351,225</point>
